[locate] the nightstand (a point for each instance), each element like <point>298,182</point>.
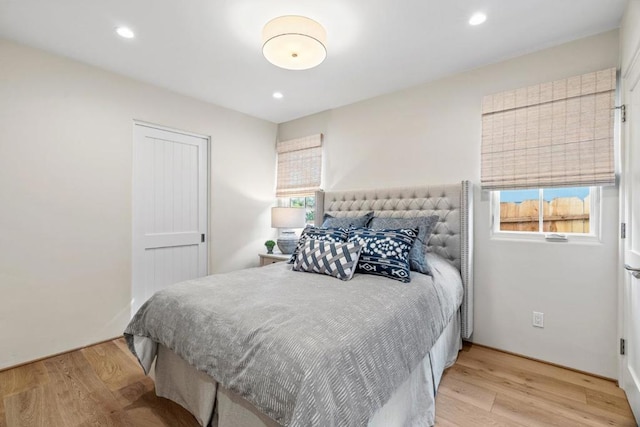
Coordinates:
<point>266,259</point>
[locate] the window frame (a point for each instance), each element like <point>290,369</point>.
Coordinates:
<point>594,235</point>
<point>288,201</point>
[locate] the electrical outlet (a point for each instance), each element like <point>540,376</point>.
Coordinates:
<point>538,319</point>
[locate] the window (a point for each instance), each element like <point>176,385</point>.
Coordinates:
<point>546,151</point>
<point>299,171</point>
<point>550,211</point>
<point>308,202</point>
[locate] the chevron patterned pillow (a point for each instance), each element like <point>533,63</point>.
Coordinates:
<point>333,259</point>
<point>318,233</point>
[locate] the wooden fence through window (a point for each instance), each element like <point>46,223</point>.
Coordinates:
<point>561,215</point>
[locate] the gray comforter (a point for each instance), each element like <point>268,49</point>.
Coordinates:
<point>305,349</point>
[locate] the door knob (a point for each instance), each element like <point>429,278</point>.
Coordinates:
<point>635,272</point>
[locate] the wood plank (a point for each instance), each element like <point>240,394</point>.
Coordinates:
<point>33,408</point>
<point>529,365</point>
<point>23,378</point>
<point>79,393</point>
<point>122,345</point>
<point>112,365</point>
<point>116,419</point>
<point>131,393</point>
<point>588,414</point>
<point>26,408</point>
<point>523,412</point>
<point>608,402</point>
<point>144,408</point>
<point>463,414</point>
<point>468,393</point>
<point>441,422</point>
<point>529,378</point>
<point>3,419</point>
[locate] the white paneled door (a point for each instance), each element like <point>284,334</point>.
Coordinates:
<point>631,217</point>
<point>169,210</point>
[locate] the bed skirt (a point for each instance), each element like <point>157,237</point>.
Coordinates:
<point>412,404</point>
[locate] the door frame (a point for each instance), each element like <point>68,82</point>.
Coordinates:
<point>208,157</point>
<point>629,79</point>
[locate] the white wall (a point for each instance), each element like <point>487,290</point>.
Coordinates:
<point>65,195</point>
<point>431,134</point>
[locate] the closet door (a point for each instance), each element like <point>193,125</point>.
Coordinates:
<point>170,215</point>
<point>630,213</point>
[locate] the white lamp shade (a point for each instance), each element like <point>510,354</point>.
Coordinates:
<point>288,217</point>
<point>294,42</point>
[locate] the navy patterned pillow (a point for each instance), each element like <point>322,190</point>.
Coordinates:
<point>326,234</point>
<point>333,259</point>
<point>385,252</point>
<point>346,222</point>
<point>425,226</point>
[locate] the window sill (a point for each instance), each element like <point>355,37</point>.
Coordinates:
<point>572,239</point>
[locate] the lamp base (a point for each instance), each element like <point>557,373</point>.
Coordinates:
<point>287,242</point>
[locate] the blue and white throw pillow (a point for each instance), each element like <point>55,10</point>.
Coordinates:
<point>385,252</point>
<point>329,221</point>
<point>333,259</point>
<point>424,224</point>
<point>326,234</point>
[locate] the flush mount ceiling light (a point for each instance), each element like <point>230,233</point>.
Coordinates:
<point>477,18</point>
<point>125,32</point>
<point>278,95</point>
<point>294,42</point>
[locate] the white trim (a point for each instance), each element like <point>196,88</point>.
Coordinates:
<point>168,129</point>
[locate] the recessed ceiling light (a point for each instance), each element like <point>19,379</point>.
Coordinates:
<point>278,95</point>
<point>125,32</point>
<point>477,18</point>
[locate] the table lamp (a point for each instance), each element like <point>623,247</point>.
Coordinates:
<point>285,219</point>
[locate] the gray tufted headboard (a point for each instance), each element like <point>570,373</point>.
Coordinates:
<point>452,238</point>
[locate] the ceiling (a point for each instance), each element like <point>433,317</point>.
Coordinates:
<point>211,49</point>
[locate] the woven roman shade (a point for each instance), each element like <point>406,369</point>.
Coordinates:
<point>557,134</point>
<point>299,166</point>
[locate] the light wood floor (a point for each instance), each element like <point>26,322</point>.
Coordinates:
<point>103,385</point>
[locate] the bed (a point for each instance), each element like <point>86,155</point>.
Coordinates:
<point>366,352</point>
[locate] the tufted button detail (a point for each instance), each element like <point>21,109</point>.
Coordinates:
<point>408,202</point>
